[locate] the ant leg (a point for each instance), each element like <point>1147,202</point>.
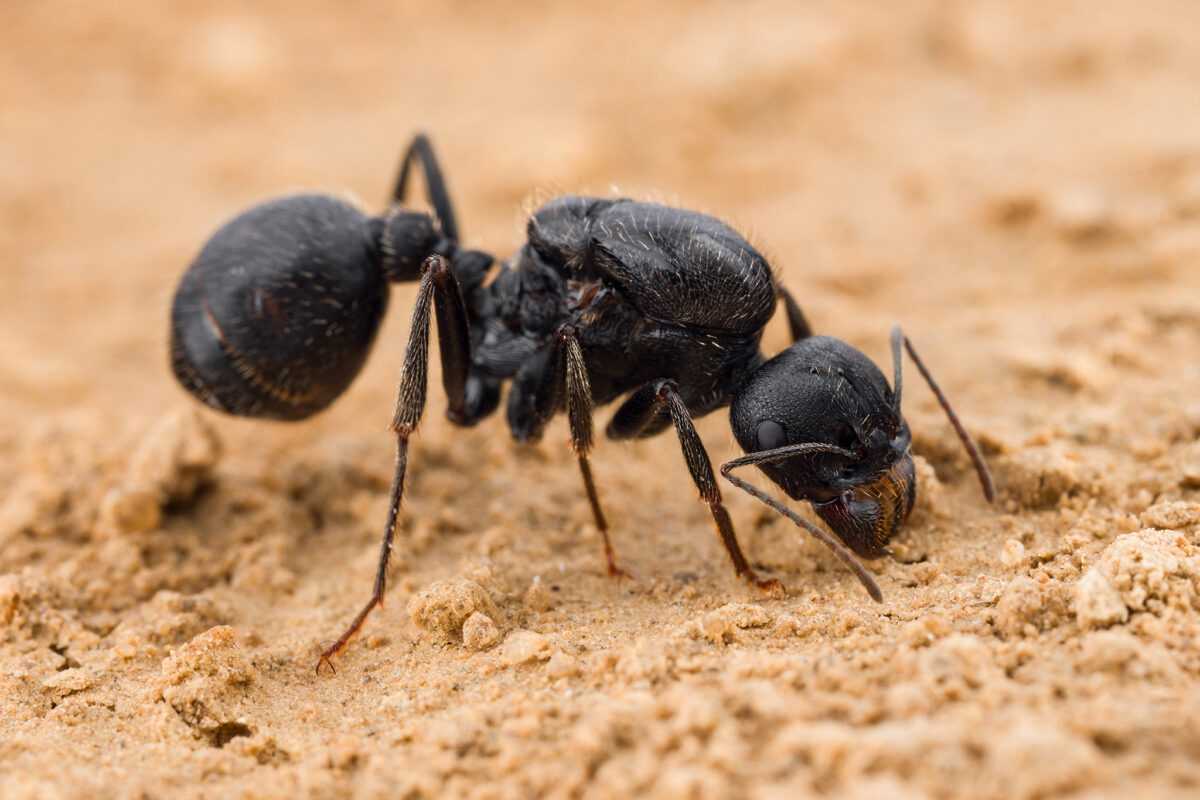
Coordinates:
<point>566,371</point>
<point>552,378</point>
<point>797,322</point>
<point>981,468</point>
<point>438,289</point>
<point>435,184</point>
<point>641,409</point>
<point>579,415</point>
<point>640,416</point>
<point>781,454</point>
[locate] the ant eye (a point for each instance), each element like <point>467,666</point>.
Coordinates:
<point>845,437</point>
<point>769,434</point>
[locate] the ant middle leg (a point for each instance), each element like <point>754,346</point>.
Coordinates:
<point>438,294</point>
<point>579,416</point>
<point>646,407</point>
<point>553,379</point>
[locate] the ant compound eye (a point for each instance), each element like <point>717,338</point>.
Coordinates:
<point>769,435</point>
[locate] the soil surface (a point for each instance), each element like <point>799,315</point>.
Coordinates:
<point>1017,183</point>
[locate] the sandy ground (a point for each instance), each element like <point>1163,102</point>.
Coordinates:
<point>1018,183</point>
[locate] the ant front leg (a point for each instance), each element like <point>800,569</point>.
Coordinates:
<point>797,322</point>
<point>644,408</point>
<point>438,293</point>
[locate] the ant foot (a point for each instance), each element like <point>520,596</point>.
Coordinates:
<point>773,587</point>
<point>616,572</point>
<point>770,586</point>
<point>610,555</point>
<point>326,660</point>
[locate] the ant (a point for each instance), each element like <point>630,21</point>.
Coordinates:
<point>608,298</point>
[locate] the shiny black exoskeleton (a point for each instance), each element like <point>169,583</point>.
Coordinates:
<point>607,299</point>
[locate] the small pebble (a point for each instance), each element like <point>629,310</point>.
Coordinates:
<point>1012,554</point>
<point>521,647</point>
<point>479,632</point>
<point>538,597</point>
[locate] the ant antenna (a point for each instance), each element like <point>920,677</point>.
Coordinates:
<point>782,454</point>
<point>985,476</point>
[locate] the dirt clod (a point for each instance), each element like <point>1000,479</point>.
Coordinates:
<point>206,682</point>
<point>479,632</point>
<point>1098,604</point>
<point>444,606</point>
<point>522,647</point>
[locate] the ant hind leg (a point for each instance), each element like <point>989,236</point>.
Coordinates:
<point>420,150</point>
<point>438,293</point>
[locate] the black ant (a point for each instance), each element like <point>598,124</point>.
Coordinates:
<point>607,298</point>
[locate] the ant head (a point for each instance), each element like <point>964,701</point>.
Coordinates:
<point>823,391</point>
<point>276,315</point>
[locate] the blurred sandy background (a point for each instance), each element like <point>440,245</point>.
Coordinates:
<point>1018,183</point>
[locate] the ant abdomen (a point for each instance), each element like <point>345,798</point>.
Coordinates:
<point>278,312</point>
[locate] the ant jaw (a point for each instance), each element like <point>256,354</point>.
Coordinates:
<point>866,517</point>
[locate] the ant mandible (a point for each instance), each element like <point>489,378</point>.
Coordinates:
<point>607,298</point>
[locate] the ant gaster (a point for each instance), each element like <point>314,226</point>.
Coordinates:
<point>608,298</point>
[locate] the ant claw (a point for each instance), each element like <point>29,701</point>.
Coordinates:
<point>770,586</point>
<point>616,572</point>
<point>325,661</point>
<point>773,587</point>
